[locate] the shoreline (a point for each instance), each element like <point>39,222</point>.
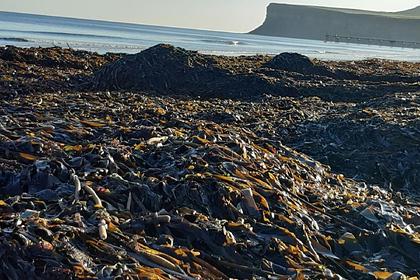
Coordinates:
<point>178,164</point>
<point>117,37</point>
<point>383,71</point>
<point>355,26</point>
<point>104,49</point>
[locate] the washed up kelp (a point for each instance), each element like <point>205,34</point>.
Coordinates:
<point>294,62</point>
<point>123,185</point>
<point>31,70</point>
<point>166,69</point>
<point>376,141</point>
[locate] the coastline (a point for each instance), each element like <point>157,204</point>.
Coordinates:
<point>175,163</point>
<point>396,29</point>
<point>121,38</point>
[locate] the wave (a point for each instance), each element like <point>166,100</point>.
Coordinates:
<point>20,40</point>
<point>115,37</point>
<point>92,46</point>
<point>223,41</point>
<point>64,34</point>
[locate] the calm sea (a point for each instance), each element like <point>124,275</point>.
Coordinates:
<point>33,30</point>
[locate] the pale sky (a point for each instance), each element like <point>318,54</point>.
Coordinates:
<point>226,15</point>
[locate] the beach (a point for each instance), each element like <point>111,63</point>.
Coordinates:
<point>173,164</point>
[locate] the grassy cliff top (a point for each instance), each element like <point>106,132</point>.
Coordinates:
<point>412,13</point>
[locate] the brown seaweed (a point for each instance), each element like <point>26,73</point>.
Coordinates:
<point>104,185</point>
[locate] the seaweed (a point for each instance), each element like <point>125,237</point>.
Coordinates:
<point>141,184</point>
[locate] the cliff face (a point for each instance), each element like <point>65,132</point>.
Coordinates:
<point>412,12</point>
<point>355,26</point>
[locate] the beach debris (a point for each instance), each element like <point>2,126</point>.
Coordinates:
<point>31,70</point>
<point>249,203</point>
<point>77,186</point>
<point>102,227</point>
<point>170,70</point>
<point>376,140</point>
<point>187,188</point>
<point>295,62</point>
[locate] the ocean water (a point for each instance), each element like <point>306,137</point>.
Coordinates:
<point>26,30</point>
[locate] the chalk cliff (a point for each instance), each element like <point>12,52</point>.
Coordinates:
<point>343,25</point>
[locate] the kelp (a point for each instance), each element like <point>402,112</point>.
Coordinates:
<point>130,185</point>
<point>200,199</point>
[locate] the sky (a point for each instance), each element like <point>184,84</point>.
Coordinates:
<point>223,15</point>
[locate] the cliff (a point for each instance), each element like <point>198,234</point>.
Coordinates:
<point>412,12</point>
<point>342,25</point>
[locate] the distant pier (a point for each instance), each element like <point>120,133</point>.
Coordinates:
<point>371,41</point>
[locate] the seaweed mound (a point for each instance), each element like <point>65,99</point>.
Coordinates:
<point>291,62</point>
<point>137,186</point>
<point>160,68</point>
<point>295,62</point>
<point>170,70</point>
<point>30,70</point>
<point>54,57</point>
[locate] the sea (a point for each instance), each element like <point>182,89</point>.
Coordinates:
<point>26,30</point>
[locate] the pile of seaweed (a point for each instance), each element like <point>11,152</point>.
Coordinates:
<point>32,70</point>
<point>295,62</point>
<point>376,141</point>
<point>166,69</point>
<point>129,185</point>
